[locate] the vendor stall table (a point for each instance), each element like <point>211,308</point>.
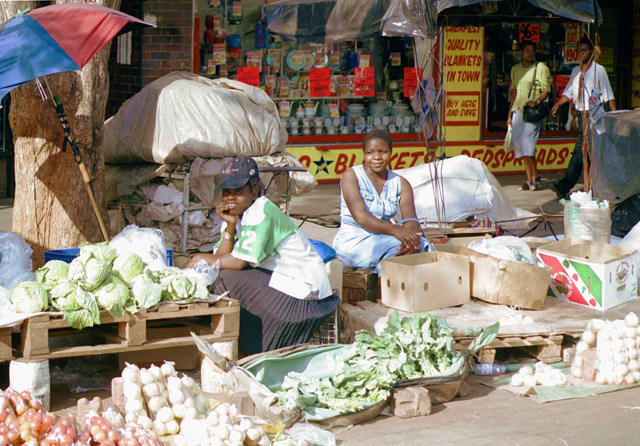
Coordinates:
<point>216,322</point>
<point>278,171</point>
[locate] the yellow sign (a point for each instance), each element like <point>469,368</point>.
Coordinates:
<point>462,80</point>
<point>327,164</point>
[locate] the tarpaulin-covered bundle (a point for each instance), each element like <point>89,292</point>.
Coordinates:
<point>181,116</point>
<point>329,21</point>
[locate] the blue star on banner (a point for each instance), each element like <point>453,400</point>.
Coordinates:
<point>322,165</point>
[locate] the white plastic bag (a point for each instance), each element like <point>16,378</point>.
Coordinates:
<point>508,141</point>
<point>32,376</point>
<point>304,434</point>
<point>505,247</point>
<point>148,243</point>
<point>15,260</point>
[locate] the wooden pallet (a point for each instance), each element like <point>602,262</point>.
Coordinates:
<point>547,349</point>
<point>6,352</point>
<point>217,322</point>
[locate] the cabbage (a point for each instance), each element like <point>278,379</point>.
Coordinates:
<point>78,307</point>
<point>146,293</point>
<point>52,273</point>
<point>92,266</point>
<point>176,286</point>
<point>63,296</point>
<point>112,295</point>
<point>127,266</point>
<point>30,297</point>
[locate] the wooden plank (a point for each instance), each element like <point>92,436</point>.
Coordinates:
<point>104,349</point>
<point>35,340</point>
<point>6,352</point>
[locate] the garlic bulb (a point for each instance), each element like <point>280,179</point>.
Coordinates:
<point>168,369</point>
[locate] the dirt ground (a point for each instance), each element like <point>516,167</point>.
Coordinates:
<point>485,416</point>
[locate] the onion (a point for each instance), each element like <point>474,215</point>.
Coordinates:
<point>576,371</point>
<point>133,406</point>
<point>188,382</point>
<point>589,337</point>
<point>516,380</point>
<point>156,372</point>
<point>529,381</point>
<point>213,418</point>
<point>221,431</point>
<point>159,427</point>
<point>632,353</point>
<point>254,434</point>
<point>190,402</point>
<point>150,390</point>
<point>131,373</point>
<point>636,376</point>
<point>156,403</point>
<point>131,417</point>
<point>631,320</point>
<point>246,423</point>
<point>165,414</point>
<point>526,370</point>
<point>179,410</point>
<point>236,436</point>
<point>176,397</point>
<point>581,347</point>
<point>629,379</point>
<point>146,377</point>
<point>131,389</point>
<point>264,441</point>
<point>619,380</point>
<point>191,413</point>
<point>630,332</point>
<point>174,383</point>
<point>145,422</point>
<point>172,427</point>
<point>168,368</point>
<point>601,379</point>
<point>233,411</point>
<point>634,365</point>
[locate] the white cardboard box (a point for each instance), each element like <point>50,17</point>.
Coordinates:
<point>425,281</point>
<point>594,274</point>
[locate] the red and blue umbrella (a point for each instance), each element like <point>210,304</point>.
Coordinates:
<point>57,38</point>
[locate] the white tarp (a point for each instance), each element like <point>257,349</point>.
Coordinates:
<point>469,190</point>
<point>181,116</point>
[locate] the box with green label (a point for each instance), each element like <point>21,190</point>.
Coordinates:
<point>594,274</point>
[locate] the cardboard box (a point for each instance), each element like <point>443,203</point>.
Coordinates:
<point>426,281</point>
<point>506,282</point>
<point>594,274</point>
<point>185,358</point>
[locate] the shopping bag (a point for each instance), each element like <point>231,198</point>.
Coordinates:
<point>508,144</point>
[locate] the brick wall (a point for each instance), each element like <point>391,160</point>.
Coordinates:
<point>155,51</point>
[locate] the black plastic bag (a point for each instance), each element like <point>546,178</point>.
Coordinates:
<point>625,216</point>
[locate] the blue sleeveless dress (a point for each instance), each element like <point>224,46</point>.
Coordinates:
<point>358,247</point>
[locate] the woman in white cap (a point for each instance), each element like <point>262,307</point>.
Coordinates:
<point>268,264</point>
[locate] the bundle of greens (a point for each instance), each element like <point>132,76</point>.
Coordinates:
<point>414,347</point>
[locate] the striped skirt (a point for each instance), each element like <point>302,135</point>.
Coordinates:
<point>270,319</point>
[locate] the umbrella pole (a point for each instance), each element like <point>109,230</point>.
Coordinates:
<point>78,158</point>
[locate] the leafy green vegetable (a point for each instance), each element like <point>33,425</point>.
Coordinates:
<point>79,319</point>
<point>63,296</point>
<point>417,346</point>
<point>52,273</point>
<point>145,292</point>
<point>178,286</point>
<point>78,306</point>
<point>30,297</point>
<point>112,295</point>
<point>92,266</point>
<point>127,266</point>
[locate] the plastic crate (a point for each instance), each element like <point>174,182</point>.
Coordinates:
<point>67,255</point>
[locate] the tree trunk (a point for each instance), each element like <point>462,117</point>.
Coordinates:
<point>52,209</point>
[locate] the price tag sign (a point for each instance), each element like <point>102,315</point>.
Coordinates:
<point>561,82</point>
<point>285,108</point>
<point>334,112</point>
<point>211,66</point>
<point>214,3</point>
<point>396,59</point>
<point>364,82</point>
<point>364,60</point>
<point>572,33</point>
<point>335,59</point>
<point>411,77</point>
<point>319,82</point>
<point>254,59</point>
<point>224,71</point>
<point>297,58</point>
<point>219,53</point>
<point>571,53</point>
<point>529,31</point>
<point>249,75</point>
<point>270,83</point>
<point>284,87</point>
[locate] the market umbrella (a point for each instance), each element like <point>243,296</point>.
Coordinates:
<point>55,39</point>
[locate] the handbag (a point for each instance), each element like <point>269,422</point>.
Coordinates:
<point>539,112</point>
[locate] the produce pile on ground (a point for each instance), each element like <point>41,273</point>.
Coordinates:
<point>608,351</point>
<point>540,375</point>
<point>23,421</point>
<point>157,398</point>
<point>101,279</point>
<point>414,347</point>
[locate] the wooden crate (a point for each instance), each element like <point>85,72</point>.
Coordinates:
<point>6,352</point>
<point>217,322</point>
<point>359,285</point>
<point>547,349</point>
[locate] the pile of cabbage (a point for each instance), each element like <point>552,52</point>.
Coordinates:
<point>101,279</point>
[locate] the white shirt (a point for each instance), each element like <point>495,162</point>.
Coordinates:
<point>595,78</point>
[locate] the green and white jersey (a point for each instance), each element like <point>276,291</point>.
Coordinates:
<point>267,238</point>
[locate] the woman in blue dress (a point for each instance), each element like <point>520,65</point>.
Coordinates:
<point>371,195</point>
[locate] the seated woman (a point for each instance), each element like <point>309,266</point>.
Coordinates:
<point>267,264</point>
<point>370,196</point>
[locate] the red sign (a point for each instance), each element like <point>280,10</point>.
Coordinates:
<point>249,75</point>
<point>364,83</point>
<point>411,77</point>
<point>319,82</point>
<point>561,81</point>
<point>529,31</point>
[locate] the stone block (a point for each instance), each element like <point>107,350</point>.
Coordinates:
<point>408,402</point>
